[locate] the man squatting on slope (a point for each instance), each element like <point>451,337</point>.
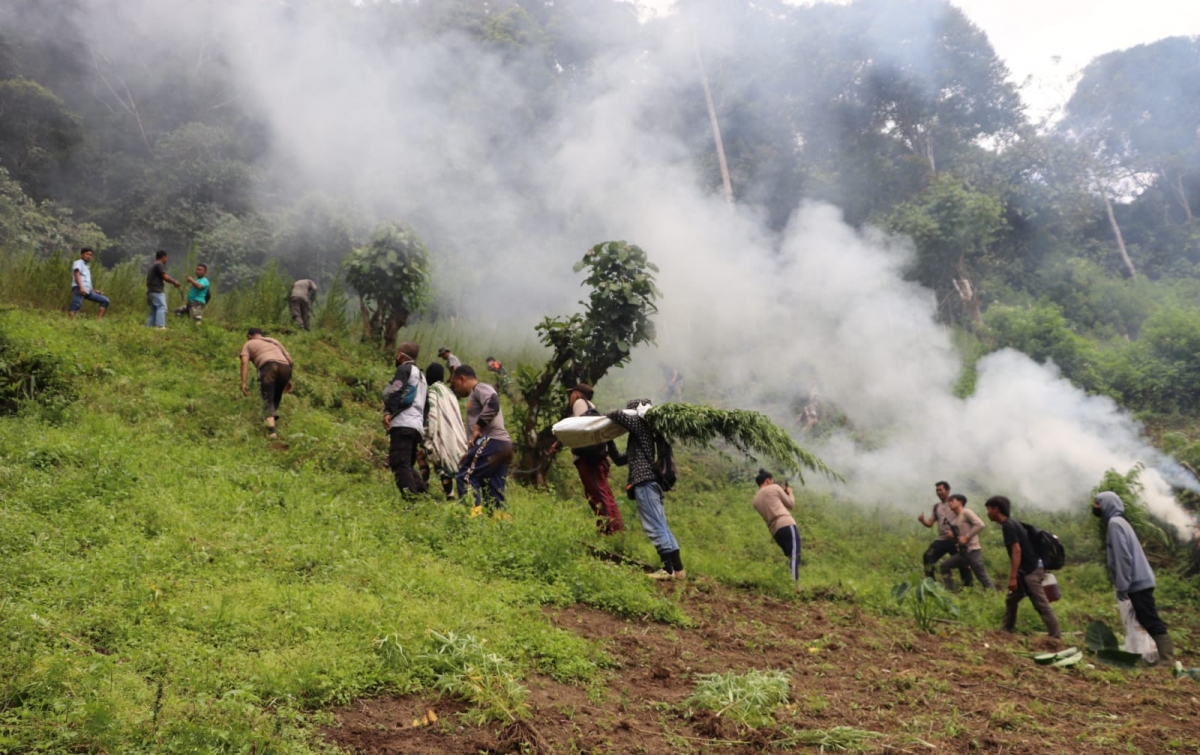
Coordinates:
<point>944,545</point>
<point>645,490</point>
<point>81,285</point>
<point>1026,573</point>
<point>592,464</point>
<point>968,525</point>
<point>274,372</point>
<point>404,418</point>
<point>1130,571</point>
<point>489,447</point>
<point>774,504</point>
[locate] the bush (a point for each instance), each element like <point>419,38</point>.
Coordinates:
<point>29,374</point>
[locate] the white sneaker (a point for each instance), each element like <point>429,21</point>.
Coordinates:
<point>661,574</point>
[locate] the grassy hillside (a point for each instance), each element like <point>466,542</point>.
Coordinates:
<point>171,581</point>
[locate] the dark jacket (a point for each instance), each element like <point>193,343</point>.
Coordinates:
<point>639,453</point>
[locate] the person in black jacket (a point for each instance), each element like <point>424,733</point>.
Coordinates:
<point>643,486</point>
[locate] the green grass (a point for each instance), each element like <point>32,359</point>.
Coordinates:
<point>171,582</point>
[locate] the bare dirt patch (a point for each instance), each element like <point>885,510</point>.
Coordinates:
<point>961,691</point>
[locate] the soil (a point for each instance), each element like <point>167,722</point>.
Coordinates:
<point>958,691</point>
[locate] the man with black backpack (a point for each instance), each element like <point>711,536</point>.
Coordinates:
<point>592,464</point>
<point>1026,570</point>
<point>649,475</point>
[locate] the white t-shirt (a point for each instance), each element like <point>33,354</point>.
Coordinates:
<point>85,275</point>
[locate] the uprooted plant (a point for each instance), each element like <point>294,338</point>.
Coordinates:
<point>748,699</point>
<point>927,601</point>
<point>460,666</point>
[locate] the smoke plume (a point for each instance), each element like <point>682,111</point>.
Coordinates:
<point>437,129</point>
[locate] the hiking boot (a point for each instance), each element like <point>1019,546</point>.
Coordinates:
<point>661,574</point>
<point>476,511</point>
<point>272,435</point>
<point>1166,650</point>
<point>681,574</point>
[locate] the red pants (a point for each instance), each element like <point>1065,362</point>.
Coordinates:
<point>594,476</point>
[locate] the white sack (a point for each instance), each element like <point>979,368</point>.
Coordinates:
<point>575,432</point>
<point>1137,639</point>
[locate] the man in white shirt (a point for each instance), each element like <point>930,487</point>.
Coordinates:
<point>81,285</point>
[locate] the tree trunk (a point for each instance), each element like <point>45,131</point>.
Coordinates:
<point>392,326</point>
<point>1181,195</point>
<point>1112,220</point>
<point>533,452</point>
<point>716,128</point>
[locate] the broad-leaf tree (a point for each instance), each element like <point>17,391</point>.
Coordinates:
<point>391,276</point>
<point>616,318</point>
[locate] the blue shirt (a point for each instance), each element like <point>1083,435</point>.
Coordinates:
<point>199,295</point>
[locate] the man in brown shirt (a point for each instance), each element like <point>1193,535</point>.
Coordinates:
<point>970,553</point>
<point>274,366</point>
<point>774,503</point>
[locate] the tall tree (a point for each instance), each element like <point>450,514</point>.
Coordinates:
<point>1141,107</point>
<point>616,319</point>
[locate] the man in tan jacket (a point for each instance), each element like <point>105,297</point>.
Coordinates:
<point>967,525</point>
<point>274,366</point>
<point>774,503</point>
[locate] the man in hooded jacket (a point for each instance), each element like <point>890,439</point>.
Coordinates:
<point>1130,571</point>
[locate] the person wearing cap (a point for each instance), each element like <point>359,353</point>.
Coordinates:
<point>643,487</point>
<point>451,360</point>
<point>592,464</point>
<point>774,503</point>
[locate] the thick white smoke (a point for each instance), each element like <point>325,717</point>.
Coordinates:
<point>430,129</point>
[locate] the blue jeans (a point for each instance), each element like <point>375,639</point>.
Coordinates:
<point>77,299</point>
<point>484,470</point>
<point>158,310</point>
<point>649,498</point>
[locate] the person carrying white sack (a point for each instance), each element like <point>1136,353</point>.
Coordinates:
<point>1130,572</point>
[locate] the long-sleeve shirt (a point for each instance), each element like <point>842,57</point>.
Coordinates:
<point>639,453</point>
<point>774,505</point>
<point>483,410</point>
<point>969,526</point>
<point>1127,564</point>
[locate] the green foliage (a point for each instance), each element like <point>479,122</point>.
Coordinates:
<point>462,667</point>
<point>333,313</point>
<point>926,601</point>
<point>1042,333</point>
<point>616,319</point>
<point>748,699</point>
<point>29,374</point>
<point>37,132</point>
<point>747,431</point>
<point>1128,488</point>
<point>391,276</point>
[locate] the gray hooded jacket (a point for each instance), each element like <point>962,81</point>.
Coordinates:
<point>1127,564</point>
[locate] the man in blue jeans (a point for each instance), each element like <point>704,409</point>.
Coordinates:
<point>81,285</point>
<point>156,298</point>
<point>644,486</point>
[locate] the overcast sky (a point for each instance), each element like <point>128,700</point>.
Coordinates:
<point>1029,34</point>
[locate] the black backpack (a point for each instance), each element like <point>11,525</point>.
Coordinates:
<point>665,472</point>
<point>593,453</point>
<point>1047,547</point>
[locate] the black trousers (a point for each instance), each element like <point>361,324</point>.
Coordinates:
<point>402,456</point>
<point>1147,612</point>
<point>945,546</point>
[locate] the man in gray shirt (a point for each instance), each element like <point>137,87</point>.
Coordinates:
<point>304,296</point>
<point>484,468</point>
